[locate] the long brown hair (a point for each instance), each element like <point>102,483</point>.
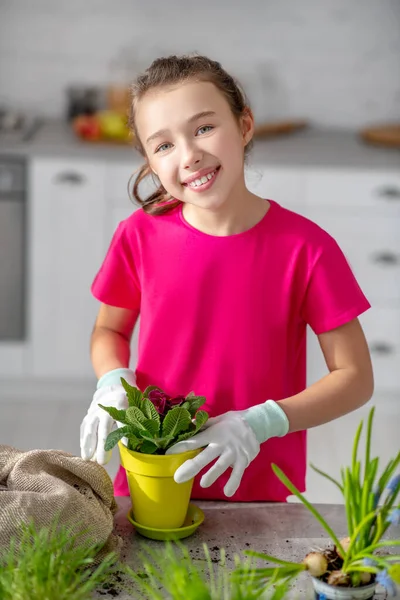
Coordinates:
<point>169,71</point>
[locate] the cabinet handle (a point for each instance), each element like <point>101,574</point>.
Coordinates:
<point>70,178</point>
<point>389,192</point>
<point>381,348</point>
<point>386,257</point>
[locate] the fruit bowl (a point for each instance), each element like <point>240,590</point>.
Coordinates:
<point>105,126</point>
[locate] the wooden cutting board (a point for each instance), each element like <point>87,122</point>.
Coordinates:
<point>272,129</point>
<point>386,135</point>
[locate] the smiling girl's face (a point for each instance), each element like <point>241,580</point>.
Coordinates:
<point>194,143</point>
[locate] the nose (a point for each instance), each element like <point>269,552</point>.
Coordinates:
<point>191,156</point>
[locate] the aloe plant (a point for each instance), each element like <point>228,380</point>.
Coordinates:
<point>154,421</point>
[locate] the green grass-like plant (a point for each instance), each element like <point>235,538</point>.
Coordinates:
<point>371,506</point>
<point>172,573</point>
<point>50,563</point>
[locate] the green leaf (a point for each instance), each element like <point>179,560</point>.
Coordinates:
<point>348,498</point>
<point>134,443</point>
<point>201,419</point>
<point>176,421</point>
<point>149,410</point>
<point>291,487</point>
<point>134,415</point>
<point>192,403</point>
<point>366,490</point>
<point>368,441</point>
<point>388,472</point>
<point>354,537</point>
<point>134,395</point>
<point>152,427</point>
<point>114,437</point>
<point>331,479</point>
<point>160,442</point>
<point>148,447</point>
<point>116,414</point>
<point>355,446</point>
<point>184,436</point>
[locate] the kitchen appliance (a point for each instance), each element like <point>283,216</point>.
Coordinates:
<point>16,126</point>
<point>12,248</point>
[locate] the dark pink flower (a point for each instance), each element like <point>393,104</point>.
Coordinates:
<point>159,399</point>
<point>163,403</point>
<point>175,401</point>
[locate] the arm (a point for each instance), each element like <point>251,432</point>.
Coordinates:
<point>348,385</point>
<point>110,353</point>
<point>110,341</point>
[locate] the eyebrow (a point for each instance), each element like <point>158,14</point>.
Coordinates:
<point>200,115</point>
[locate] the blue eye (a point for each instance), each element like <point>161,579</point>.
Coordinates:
<point>206,128</point>
<point>162,147</point>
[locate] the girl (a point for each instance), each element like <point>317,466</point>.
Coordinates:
<point>225,283</point>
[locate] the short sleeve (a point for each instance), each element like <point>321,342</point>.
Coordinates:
<point>333,296</point>
<point>117,282</point>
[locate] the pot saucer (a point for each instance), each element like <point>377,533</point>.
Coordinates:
<point>194,518</point>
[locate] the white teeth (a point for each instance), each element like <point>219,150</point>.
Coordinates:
<point>202,180</point>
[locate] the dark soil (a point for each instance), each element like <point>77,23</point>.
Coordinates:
<point>335,563</point>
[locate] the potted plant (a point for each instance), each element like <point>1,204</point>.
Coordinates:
<point>353,567</point>
<point>151,424</point>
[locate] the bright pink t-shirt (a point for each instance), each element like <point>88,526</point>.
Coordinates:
<point>226,317</point>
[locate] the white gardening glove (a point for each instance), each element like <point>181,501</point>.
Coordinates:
<point>233,438</point>
<point>97,423</point>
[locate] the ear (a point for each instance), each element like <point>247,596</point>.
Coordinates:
<point>247,125</point>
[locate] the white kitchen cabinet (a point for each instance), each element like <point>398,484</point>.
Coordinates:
<point>330,446</point>
<point>119,184</point>
<point>372,247</point>
<point>361,211</point>
<point>67,245</point>
<point>119,177</point>
<point>359,192</point>
<point>285,186</point>
<point>382,330</point>
<point>116,216</point>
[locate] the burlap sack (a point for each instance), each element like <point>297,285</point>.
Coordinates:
<point>45,484</point>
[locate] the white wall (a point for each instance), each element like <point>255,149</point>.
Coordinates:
<point>336,62</point>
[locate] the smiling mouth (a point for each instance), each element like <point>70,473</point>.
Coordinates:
<point>202,181</point>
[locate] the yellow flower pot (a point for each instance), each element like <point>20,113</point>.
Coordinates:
<point>157,501</point>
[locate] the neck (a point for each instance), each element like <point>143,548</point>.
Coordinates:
<point>239,213</point>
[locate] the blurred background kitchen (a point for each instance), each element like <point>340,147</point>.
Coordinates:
<point>323,78</point>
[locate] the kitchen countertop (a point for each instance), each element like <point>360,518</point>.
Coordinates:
<point>287,531</point>
<point>311,147</point>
